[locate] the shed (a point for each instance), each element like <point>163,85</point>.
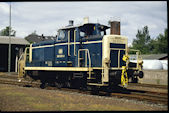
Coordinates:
<point>153,61</point>
<point>17,47</point>
<point>155,57</point>
<point>151,57</point>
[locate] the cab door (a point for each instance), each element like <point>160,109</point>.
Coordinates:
<point>72,51</point>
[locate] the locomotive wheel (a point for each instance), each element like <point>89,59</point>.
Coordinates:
<point>95,90</point>
<point>58,85</point>
<point>141,74</point>
<point>43,85</point>
<point>68,84</point>
<point>134,80</point>
<point>84,88</point>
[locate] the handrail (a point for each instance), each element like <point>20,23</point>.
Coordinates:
<point>68,43</point>
<point>137,56</point>
<point>74,42</point>
<point>24,56</point>
<point>30,53</point>
<point>86,54</point>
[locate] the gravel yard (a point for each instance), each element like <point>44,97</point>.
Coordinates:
<point>15,98</point>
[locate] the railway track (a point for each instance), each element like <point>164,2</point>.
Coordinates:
<point>22,83</point>
<point>149,85</point>
<point>149,96</point>
<point>119,92</point>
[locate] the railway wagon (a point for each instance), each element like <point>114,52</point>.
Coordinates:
<point>81,56</point>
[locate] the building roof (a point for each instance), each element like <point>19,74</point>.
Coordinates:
<point>14,40</point>
<point>37,38</point>
<point>152,56</point>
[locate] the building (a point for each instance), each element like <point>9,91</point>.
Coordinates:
<point>34,38</point>
<point>17,47</point>
<point>155,57</point>
<point>153,61</point>
<point>151,57</point>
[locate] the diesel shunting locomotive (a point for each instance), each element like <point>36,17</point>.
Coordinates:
<point>81,56</point>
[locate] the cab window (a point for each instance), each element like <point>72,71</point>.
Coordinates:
<point>87,30</point>
<point>103,33</point>
<point>72,35</point>
<point>61,35</point>
<point>82,34</point>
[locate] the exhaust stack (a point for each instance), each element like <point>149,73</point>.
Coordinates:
<point>70,23</point>
<point>115,27</point>
<point>85,20</point>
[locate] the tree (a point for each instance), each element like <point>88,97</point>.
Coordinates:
<point>161,43</point>
<point>142,40</point>
<point>5,32</point>
<point>153,45</point>
<point>146,45</point>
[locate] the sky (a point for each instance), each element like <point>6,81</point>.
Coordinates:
<point>47,17</point>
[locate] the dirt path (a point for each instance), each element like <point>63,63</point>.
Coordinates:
<point>15,98</point>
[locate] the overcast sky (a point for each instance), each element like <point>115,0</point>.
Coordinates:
<point>47,17</point>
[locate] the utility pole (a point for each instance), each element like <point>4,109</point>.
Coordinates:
<point>9,48</point>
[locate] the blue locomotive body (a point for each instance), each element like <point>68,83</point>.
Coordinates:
<point>54,53</point>
<point>82,54</point>
<point>50,56</point>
